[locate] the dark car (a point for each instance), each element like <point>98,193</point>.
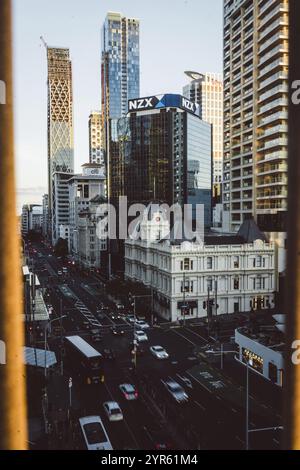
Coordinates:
<point>159,438</point>
<point>109,354</point>
<point>117,332</point>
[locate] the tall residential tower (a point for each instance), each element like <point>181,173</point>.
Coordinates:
<point>256,113</point>
<point>207,91</point>
<point>60,130</point>
<point>95,138</point>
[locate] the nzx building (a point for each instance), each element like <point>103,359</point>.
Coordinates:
<point>161,151</point>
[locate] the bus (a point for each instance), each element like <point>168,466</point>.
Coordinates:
<point>84,360</point>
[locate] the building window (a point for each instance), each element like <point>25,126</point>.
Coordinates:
<point>209,262</point>
<point>236,262</point>
<point>186,264</point>
<point>236,283</point>
<point>209,283</point>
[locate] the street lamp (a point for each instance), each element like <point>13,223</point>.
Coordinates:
<point>45,340</point>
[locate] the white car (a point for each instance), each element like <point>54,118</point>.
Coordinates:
<point>128,391</point>
<point>140,336</point>
<point>142,324</point>
<point>94,433</point>
<point>159,352</point>
<point>113,411</point>
<point>175,390</point>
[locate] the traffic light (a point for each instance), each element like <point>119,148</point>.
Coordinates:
<point>204,305</point>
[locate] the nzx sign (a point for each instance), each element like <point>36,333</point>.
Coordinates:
<point>142,103</point>
<point>163,101</point>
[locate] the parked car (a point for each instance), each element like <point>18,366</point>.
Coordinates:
<point>128,391</point>
<point>113,411</point>
<point>175,390</point>
<point>142,324</point>
<point>120,306</point>
<point>140,336</point>
<point>159,352</point>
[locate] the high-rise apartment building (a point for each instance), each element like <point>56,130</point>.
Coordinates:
<point>60,125</point>
<point>256,113</point>
<point>120,66</point>
<point>207,91</point>
<point>95,138</point>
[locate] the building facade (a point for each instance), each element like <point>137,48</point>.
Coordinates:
<point>31,218</point>
<point>95,138</point>
<point>207,90</point>
<point>91,247</point>
<point>60,206</point>
<point>256,113</point>
<point>60,124</point>
<point>225,274</point>
<point>120,68</point>
<point>162,151</point>
<point>81,189</point>
<point>45,205</point>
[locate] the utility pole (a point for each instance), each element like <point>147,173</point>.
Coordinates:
<point>247,407</point>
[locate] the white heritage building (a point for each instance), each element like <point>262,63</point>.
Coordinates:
<point>236,273</point>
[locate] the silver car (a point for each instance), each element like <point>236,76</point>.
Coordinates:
<point>176,390</point>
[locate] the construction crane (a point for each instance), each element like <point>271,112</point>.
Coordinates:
<point>44,42</point>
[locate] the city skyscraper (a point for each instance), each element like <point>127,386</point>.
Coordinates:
<point>60,127</point>
<point>95,138</point>
<point>207,90</point>
<point>120,67</point>
<point>162,151</point>
<point>256,113</point>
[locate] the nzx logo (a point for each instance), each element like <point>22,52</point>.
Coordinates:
<point>187,104</point>
<point>2,92</point>
<point>142,103</point>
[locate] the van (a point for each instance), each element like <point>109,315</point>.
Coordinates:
<point>94,434</point>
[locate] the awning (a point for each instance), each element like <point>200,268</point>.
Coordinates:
<point>38,357</point>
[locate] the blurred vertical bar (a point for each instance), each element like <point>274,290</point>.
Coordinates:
<point>13,425</point>
<point>292,385</point>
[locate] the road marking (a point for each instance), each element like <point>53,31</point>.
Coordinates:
<point>234,410</point>
<point>197,334</point>
<point>276,441</point>
<point>239,439</point>
<point>200,406</point>
<point>200,383</point>
<point>179,334</point>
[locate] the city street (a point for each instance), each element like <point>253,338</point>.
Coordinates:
<point>213,417</point>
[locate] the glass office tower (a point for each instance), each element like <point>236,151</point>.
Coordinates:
<point>120,67</point>
<point>162,153</point>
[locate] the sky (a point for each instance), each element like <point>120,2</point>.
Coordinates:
<point>175,35</point>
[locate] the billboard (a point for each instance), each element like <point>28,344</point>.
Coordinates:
<point>163,101</point>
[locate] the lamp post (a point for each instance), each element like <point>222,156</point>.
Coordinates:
<point>45,340</point>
